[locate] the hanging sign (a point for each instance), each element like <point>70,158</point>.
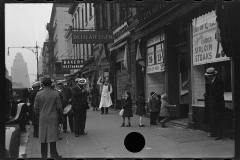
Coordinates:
<point>150,53</point>
<point>80,37</point>
<point>72,63</point>
<point>206,48</point>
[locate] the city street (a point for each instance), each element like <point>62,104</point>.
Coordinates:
<point>105,139</point>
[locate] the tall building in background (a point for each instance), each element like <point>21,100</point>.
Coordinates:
<point>19,72</point>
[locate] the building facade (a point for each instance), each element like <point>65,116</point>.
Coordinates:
<point>19,72</point>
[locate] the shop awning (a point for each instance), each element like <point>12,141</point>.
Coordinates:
<point>118,46</point>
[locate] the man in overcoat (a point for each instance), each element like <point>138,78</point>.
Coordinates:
<point>66,96</point>
<point>35,120</point>
<point>46,104</point>
<point>214,104</point>
<point>79,106</point>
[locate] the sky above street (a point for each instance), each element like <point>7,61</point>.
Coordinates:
<point>25,24</point>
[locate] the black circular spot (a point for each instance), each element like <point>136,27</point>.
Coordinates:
<point>134,142</point>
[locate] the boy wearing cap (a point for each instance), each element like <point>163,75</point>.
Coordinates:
<point>153,106</point>
<point>214,104</point>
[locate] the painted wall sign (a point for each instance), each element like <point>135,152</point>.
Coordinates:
<point>206,48</point>
<point>121,32</point>
<point>153,12</point>
<point>156,68</point>
<point>79,37</point>
<point>72,63</point>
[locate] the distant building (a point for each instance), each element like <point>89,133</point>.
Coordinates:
<point>19,71</point>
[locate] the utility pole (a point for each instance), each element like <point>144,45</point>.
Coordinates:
<point>35,52</point>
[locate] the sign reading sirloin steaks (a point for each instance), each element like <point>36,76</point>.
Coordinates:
<point>72,63</point>
<point>92,37</point>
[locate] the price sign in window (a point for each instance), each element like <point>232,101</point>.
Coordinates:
<point>150,52</point>
<point>159,53</point>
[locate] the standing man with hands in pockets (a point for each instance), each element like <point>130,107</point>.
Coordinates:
<point>106,91</point>
<point>80,106</point>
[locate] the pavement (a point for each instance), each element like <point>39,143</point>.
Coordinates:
<point>105,139</point>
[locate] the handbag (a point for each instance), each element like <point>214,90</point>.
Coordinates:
<point>68,110</point>
<point>121,112</point>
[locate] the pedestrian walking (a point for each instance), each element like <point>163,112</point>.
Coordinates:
<point>79,106</point>
<point>214,104</point>
<point>164,111</point>
<point>46,104</point>
<point>127,109</point>
<point>66,95</point>
<point>34,117</point>
<point>159,107</point>
<point>153,106</point>
<point>95,97</point>
<point>141,103</point>
<point>106,91</point>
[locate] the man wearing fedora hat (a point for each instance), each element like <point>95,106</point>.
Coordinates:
<point>46,104</point>
<point>214,104</point>
<point>79,106</point>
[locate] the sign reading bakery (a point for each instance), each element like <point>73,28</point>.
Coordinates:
<point>206,48</point>
<point>72,63</point>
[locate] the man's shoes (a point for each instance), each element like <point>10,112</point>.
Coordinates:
<point>76,135</point>
<point>72,131</point>
<point>65,131</point>
<point>84,133</point>
<point>141,125</point>
<point>93,109</point>
<point>102,113</point>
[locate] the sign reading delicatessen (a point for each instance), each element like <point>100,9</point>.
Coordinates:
<point>72,63</point>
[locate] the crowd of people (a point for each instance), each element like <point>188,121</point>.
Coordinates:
<point>48,102</point>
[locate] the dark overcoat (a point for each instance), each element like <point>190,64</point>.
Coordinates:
<point>127,106</point>
<point>140,103</point>
<point>35,119</point>
<point>95,97</point>
<point>79,98</point>
<point>214,100</point>
<point>66,94</point>
<point>154,105</point>
<point>46,104</point>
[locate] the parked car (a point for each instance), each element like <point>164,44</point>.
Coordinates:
<point>15,119</point>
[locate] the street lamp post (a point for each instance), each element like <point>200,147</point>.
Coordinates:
<point>31,49</point>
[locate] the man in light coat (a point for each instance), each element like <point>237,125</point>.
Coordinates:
<point>46,104</point>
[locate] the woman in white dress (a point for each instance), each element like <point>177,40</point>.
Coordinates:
<point>106,90</point>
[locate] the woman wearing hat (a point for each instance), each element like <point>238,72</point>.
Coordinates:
<point>164,111</point>
<point>153,106</point>
<point>214,104</point>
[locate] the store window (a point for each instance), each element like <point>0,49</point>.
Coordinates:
<point>155,71</point>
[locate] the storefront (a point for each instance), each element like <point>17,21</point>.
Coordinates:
<point>120,62</point>
<point>207,52</point>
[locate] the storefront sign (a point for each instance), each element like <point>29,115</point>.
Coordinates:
<point>72,63</point>
<point>94,67</point>
<point>121,32</point>
<point>156,68</point>
<point>150,53</point>
<point>79,37</point>
<point>159,53</point>
<point>206,48</point>
<point>149,14</point>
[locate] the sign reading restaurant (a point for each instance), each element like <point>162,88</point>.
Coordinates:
<point>79,37</point>
<point>72,63</point>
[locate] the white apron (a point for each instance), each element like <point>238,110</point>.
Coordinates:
<point>105,97</point>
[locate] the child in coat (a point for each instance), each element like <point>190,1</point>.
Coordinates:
<point>141,103</point>
<point>153,106</point>
<point>164,111</point>
<point>127,106</point>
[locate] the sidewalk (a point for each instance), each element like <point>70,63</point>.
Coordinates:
<point>105,139</point>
